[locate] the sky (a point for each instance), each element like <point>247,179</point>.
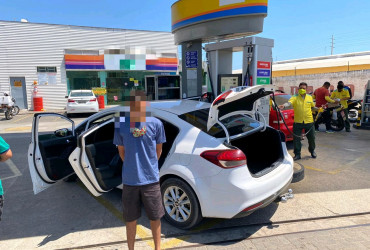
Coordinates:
<point>300,28</point>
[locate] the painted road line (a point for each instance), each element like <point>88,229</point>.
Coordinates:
<point>341,169</point>
<point>172,243</point>
<point>316,169</point>
<point>18,129</point>
<point>145,233</point>
<point>140,230</point>
<point>20,119</point>
<point>12,168</point>
<point>350,164</point>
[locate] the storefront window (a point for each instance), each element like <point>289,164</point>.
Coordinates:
<point>83,79</point>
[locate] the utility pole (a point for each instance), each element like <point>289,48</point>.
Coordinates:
<point>332,44</point>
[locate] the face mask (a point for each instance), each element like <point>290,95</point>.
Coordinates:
<point>302,91</point>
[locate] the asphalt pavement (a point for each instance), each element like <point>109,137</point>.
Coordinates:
<point>330,210</point>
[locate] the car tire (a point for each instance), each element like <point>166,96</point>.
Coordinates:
<point>190,207</point>
<point>8,115</point>
<point>298,173</point>
<point>15,110</point>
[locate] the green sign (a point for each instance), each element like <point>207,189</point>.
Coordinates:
<point>263,81</point>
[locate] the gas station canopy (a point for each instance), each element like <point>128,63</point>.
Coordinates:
<point>209,20</point>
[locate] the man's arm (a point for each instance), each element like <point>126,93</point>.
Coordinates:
<point>5,156</point>
<point>121,151</point>
<point>159,150</point>
<point>287,104</point>
<point>328,99</point>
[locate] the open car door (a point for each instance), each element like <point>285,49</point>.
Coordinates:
<point>48,151</point>
<point>96,160</point>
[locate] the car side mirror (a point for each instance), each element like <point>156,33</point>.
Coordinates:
<point>63,132</point>
<point>66,96</point>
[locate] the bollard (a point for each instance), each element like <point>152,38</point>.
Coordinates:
<point>358,125</point>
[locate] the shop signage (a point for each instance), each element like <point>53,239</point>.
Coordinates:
<point>263,65</point>
<point>263,73</point>
<point>99,91</point>
<point>263,81</point>
<point>46,78</point>
<point>17,84</point>
<point>191,58</point>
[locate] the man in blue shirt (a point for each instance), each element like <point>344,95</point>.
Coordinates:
<point>139,140</point>
<point>5,154</point>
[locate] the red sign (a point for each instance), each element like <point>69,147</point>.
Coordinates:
<point>263,65</point>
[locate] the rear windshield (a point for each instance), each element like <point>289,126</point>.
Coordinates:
<point>281,99</point>
<point>236,124</point>
<point>75,94</point>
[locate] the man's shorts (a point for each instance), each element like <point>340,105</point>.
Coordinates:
<point>148,195</point>
<point>1,205</point>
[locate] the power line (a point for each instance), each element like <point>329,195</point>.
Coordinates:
<point>332,44</point>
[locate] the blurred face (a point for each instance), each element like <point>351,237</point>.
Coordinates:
<point>303,87</point>
<point>138,109</point>
<point>302,90</point>
<point>340,88</point>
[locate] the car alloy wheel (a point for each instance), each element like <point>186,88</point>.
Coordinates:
<point>177,204</point>
<point>180,203</point>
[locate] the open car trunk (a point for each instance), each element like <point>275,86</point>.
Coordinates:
<point>263,151</point>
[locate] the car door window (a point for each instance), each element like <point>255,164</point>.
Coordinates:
<point>56,141</point>
<point>100,120</point>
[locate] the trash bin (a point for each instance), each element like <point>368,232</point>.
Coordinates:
<point>38,104</point>
<point>101,102</point>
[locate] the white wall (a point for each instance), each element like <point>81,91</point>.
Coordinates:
<point>358,79</point>
<point>24,46</point>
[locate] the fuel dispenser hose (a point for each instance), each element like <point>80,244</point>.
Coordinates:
<point>282,118</point>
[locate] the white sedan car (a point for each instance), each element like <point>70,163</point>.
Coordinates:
<point>81,101</point>
<point>218,161</point>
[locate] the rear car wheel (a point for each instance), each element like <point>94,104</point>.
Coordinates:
<point>180,203</point>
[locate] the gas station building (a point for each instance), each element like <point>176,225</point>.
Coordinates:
<point>65,57</point>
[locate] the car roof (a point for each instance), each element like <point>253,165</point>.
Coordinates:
<point>81,90</point>
<point>177,107</point>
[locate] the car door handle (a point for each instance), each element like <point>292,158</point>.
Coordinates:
<point>68,141</point>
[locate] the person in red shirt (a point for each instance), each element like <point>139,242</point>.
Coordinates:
<point>322,97</point>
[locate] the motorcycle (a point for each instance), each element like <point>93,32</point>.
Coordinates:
<point>7,105</point>
<point>336,113</point>
<point>353,108</point>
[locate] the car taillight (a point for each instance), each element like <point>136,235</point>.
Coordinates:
<point>225,158</point>
<point>222,97</point>
<point>93,100</point>
<point>70,100</point>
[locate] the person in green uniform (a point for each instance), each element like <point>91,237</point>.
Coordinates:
<point>5,154</point>
<point>303,120</point>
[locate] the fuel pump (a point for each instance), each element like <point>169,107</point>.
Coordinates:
<point>257,58</point>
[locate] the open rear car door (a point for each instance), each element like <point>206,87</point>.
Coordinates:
<point>48,151</point>
<point>96,160</point>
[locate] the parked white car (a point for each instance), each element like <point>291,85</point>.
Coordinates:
<point>81,101</point>
<point>218,161</point>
